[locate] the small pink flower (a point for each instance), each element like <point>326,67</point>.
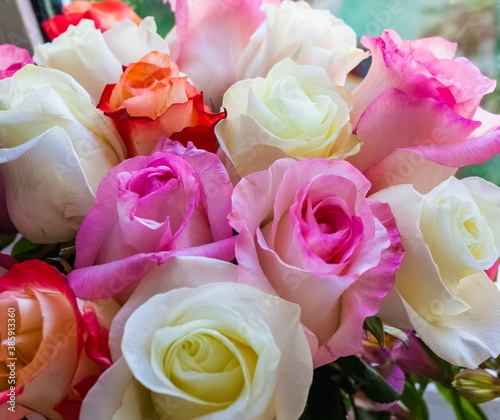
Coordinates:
<point>309,234</point>
<point>12,58</point>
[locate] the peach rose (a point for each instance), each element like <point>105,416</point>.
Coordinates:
<point>42,340</point>
<point>152,100</point>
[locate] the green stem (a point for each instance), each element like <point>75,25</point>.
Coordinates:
<point>458,405</point>
<point>49,8</point>
<point>354,408</point>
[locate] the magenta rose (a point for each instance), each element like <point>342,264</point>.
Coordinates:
<point>12,58</point>
<point>309,234</point>
<point>418,113</point>
<point>147,209</point>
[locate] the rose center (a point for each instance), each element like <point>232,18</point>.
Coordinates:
<point>206,367</point>
<point>329,229</point>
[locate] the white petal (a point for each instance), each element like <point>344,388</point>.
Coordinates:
<point>47,167</point>
<point>82,53</point>
<point>117,396</point>
<point>129,42</point>
<point>472,337</point>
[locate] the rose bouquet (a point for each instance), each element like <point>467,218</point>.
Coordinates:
<point>222,225</point>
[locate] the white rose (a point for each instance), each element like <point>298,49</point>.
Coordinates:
<point>219,351</point>
<point>450,235</point>
<point>296,111</point>
<point>95,59</point>
<point>460,221</point>
<point>55,148</point>
<point>129,42</point>
<point>309,36</point>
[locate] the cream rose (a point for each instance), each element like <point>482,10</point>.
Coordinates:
<point>450,235</point>
<point>309,36</point>
<point>55,149</point>
<point>221,350</point>
<point>95,59</point>
<point>460,221</point>
<point>296,111</point>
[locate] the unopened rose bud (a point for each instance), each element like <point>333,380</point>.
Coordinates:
<point>477,385</point>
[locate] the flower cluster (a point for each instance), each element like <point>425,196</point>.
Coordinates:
<point>207,226</point>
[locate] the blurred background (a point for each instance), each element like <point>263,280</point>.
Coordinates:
<point>473,24</point>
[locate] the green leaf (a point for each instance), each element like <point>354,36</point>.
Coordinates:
<point>7,240</point>
<point>376,327</point>
<point>414,401</point>
<point>25,250</point>
<point>464,409</point>
<point>22,246</point>
<point>368,380</point>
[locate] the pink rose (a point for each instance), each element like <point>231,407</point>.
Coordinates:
<point>208,39</point>
<point>417,113</point>
<point>39,307</point>
<point>148,209</point>
<point>12,58</point>
<point>309,234</point>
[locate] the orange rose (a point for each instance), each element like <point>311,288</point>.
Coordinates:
<point>152,100</point>
<point>105,15</point>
